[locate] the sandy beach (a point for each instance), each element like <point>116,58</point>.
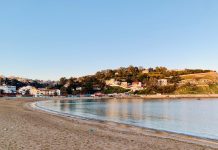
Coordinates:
<point>23,128</point>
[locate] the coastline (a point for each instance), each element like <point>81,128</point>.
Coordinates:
<point>179,96</point>
<point>23,127</point>
<point>168,134</point>
<point>146,97</point>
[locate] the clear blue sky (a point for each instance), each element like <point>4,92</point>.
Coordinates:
<point>48,39</point>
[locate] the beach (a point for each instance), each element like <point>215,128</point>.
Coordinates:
<point>24,128</point>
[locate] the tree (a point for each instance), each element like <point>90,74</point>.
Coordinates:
<point>175,79</point>
<point>161,69</point>
<point>55,93</point>
<point>110,90</point>
<point>73,83</point>
<point>1,92</point>
<point>88,88</point>
<point>1,81</point>
<point>69,90</point>
<point>64,91</point>
<point>27,92</point>
<point>62,81</point>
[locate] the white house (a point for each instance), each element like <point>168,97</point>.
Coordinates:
<point>47,92</point>
<point>79,88</point>
<point>112,82</point>
<point>8,89</point>
<point>39,92</point>
<point>136,86</point>
<point>32,90</point>
<point>145,71</point>
<point>124,85</point>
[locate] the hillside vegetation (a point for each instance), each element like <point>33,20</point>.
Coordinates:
<point>200,83</point>
<point>213,76</point>
<point>193,89</point>
<point>187,81</point>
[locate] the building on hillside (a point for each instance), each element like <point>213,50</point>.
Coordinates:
<point>67,85</point>
<point>96,88</point>
<point>124,85</point>
<point>145,71</point>
<point>116,74</point>
<point>162,82</point>
<point>47,92</point>
<point>136,86</point>
<point>29,90</point>
<point>112,82</point>
<point>79,88</point>
<point>8,90</point>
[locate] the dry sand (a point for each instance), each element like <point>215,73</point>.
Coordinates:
<point>22,128</point>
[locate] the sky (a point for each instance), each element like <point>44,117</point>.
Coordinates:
<point>49,39</point>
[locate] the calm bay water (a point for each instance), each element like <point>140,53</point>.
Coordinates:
<point>191,117</point>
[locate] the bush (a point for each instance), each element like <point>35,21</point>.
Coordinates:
<point>110,90</point>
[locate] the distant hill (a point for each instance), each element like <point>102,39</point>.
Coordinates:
<point>140,80</point>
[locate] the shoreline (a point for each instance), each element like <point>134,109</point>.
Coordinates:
<point>180,96</point>
<point>37,129</point>
<point>145,97</point>
<point>171,135</point>
<point>168,134</point>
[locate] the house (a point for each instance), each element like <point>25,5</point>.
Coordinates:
<point>162,82</point>
<point>47,92</point>
<point>79,88</point>
<point>112,82</point>
<point>124,85</point>
<point>136,86</point>
<point>30,90</point>
<point>145,71</point>
<point>8,90</point>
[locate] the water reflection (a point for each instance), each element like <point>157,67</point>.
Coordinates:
<point>191,117</point>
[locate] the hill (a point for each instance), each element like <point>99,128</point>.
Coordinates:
<point>213,76</point>
<point>137,80</point>
<point>200,83</point>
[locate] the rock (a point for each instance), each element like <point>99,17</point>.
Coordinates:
<point>91,130</point>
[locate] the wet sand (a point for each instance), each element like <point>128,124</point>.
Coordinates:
<point>22,128</point>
